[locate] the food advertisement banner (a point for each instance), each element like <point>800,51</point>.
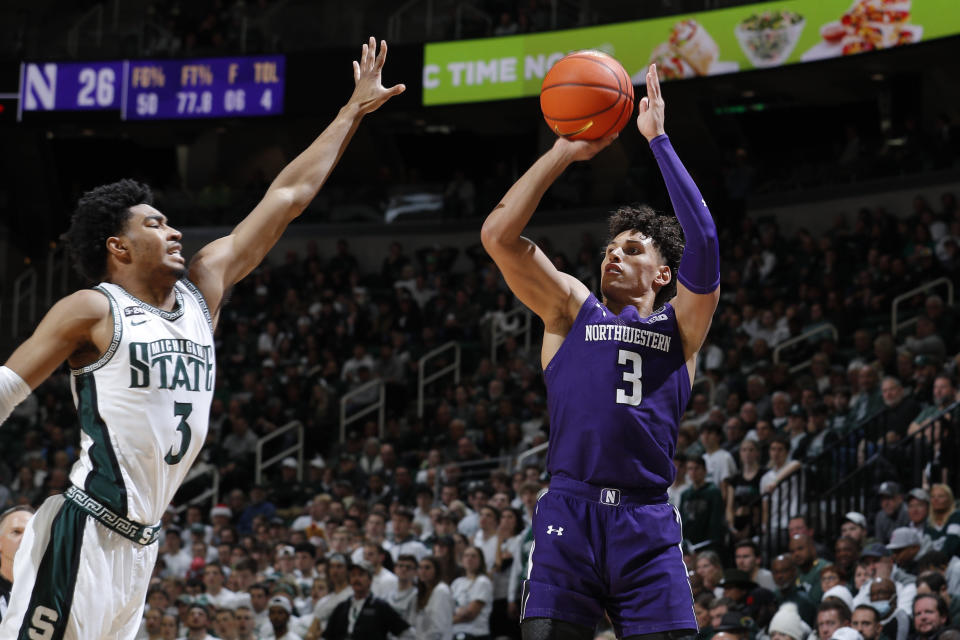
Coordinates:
<point>755,36</point>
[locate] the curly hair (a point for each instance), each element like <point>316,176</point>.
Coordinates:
<point>665,232</point>
<point>101,213</point>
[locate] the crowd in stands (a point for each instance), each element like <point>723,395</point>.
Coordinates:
<point>432,517</point>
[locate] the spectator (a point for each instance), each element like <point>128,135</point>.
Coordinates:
<point>895,622</point>
<point>830,578</point>
<point>710,571</point>
<point>831,615</point>
<point>280,611</point>
<point>893,512</point>
<point>868,401</point>
<point>486,537</point>
<point>434,616</point>
<point>403,598</point>
<point>804,556</point>
<point>217,595</point>
<point>742,491</point>
<point>944,520</point>
<point>364,615</point>
<point>930,616</point>
<point>505,611</point>
<point>785,576</point>
<point>244,623</point>
<point>904,547</point>
<point>782,485</point>
<point>933,583</point>
<point>787,624</point>
<point>339,589</point>
<point>854,526</point>
<point>472,596</point>
<point>899,410</point>
<point>866,620</point>
<point>736,586</point>
<point>701,507</point>
<point>384,581</point>
<point>197,622</point>
<point>719,462</point>
<point>747,558</point>
<point>846,551</point>
<point>404,540</point>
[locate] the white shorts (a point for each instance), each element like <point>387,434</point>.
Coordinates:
<point>76,579</point>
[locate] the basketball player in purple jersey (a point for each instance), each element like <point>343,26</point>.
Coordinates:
<point>618,372</point>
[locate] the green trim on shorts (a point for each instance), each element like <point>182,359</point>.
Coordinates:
<point>46,616</point>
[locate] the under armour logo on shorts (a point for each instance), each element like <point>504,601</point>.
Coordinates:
<point>556,530</point>
<point>610,496</point>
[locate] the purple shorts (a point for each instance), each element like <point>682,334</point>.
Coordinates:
<point>599,549</point>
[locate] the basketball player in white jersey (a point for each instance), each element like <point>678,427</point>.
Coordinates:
<point>140,346</point>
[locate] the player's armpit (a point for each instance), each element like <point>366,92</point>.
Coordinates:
<point>79,325</point>
<point>694,315</point>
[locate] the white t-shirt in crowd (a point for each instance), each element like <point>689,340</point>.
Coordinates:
<point>466,590</point>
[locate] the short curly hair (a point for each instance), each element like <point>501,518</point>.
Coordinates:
<point>101,213</point>
<point>665,232</point>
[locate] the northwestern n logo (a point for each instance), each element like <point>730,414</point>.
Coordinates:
<point>610,496</point>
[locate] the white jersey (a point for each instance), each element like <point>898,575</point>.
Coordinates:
<point>144,406</point>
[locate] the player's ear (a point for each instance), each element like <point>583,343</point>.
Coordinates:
<point>664,276</point>
<point>117,247</point>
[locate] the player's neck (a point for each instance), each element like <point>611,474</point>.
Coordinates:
<point>643,303</point>
<point>156,293</point>
<point>6,570</point>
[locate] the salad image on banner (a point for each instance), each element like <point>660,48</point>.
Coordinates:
<point>768,38</point>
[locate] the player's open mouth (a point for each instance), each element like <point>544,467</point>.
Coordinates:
<point>612,268</point>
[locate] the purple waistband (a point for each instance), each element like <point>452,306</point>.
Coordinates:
<point>610,496</point>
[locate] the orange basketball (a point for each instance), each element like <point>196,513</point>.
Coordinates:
<point>587,96</point>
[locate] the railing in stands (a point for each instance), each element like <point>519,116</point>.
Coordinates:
<point>78,30</point>
<point>378,405</point>
<point>529,453</point>
<point>57,274</point>
<point>24,300</point>
<point>261,464</point>
<point>514,323</point>
<point>894,324</point>
<point>806,335</point>
<point>423,379</point>
<point>480,15</point>
<point>844,477</point>
<point>211,477</point>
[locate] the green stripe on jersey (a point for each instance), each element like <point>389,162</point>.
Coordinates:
<point>104,482</point>
<point>52,596</point>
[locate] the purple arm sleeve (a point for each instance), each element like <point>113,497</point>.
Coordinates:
<point>700,264</point>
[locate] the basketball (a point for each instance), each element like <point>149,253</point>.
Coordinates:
<point>586,96</point>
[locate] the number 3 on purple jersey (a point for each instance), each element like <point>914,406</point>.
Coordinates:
<point>632,376</point>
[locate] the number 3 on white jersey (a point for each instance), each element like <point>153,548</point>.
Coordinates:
<point>632,376</point>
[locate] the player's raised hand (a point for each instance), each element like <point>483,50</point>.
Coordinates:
<point>650,120</point>
<point>576,150</point>
<point>369,93</point>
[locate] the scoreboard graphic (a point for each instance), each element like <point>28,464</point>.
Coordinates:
<point>157,89</point>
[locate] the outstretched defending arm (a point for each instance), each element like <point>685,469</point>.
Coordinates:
<point>698,280</point>
<point>224,262</point>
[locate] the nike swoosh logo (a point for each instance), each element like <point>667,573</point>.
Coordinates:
<point>136,322</point>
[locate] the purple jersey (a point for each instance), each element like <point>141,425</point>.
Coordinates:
<point>617,388</point>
